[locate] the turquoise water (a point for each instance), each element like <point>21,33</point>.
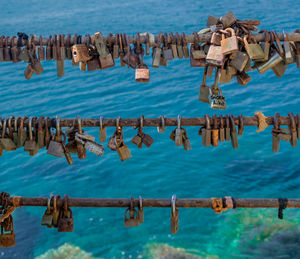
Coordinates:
<point>162,170</point>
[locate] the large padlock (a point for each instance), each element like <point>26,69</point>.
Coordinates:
<point>239,60</point>
<point>273,61</point>
<point>215,56</point>
<point>229,45</point>
<point>142,74</point>
<point>65,221</point>
<point>254,50</point>
<point>80,52</point>
<point>7,239</point>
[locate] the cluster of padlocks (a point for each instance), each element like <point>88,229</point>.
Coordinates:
<point>39,134</point>
<point>59,215</point>
<point>231,51</point>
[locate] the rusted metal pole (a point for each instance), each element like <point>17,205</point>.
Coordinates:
<point>143,39</point>
<point>160,203</point>
<point>155,122</point>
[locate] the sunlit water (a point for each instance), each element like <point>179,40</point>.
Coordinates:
<point>162,170</point>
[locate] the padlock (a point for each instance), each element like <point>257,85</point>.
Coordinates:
<point>41,132</point>
<point>30,144</point>
<point>297,44</point>
<point>221,130</point>
<point>215,56</point>
<point>227,129</point>
<point>231,71</point>
<point>156,53</point>
<point>68,47</point>
<point>239,60</point>
<point>162,127</point>
<point>80,53</point>
<point>241,125</point>
<point>7,239</point>
<point>197,52</point>
<point>279,69</point>
<point>167,51</point>
<point>15,51</point>
<point>141,210</point>
<point>47,132</point>
<point>94,147</point>
<point>179,45</point>
<point>186,141</point>
<point>65,220</point>
<point>28,72</point>
<point>54,47</point>
<point>217,100</point>
<point>80,147</point>
<point>229,45</point>
<point>142,74</point>
<point>49,49</point>
<point>106,62</point>
<point>233,133</point>
<point>6,142</point>
<point>15,132</point>
<point>243,78</point>
<point>215,132</point>
<point>178,132</point>
<point>173,45</point>
<point>293,130</point>
<point>48,216</point>
<point>56,144</point>
<point>254,50</point>
<point>41,50</point>
<point>93,64</point>
<point>228,19</point>
<point>6,51</point>
<point>204,89</point>
<point>22,135</point>
<point>273,61</point>
<point>60,63</point>
<point>105,58</point>
<point>212,20</point>
<point>133,219</point>
<point>55,212</point>
<point>288,57</point>
<point>102,130</point>
<point>123,152</point>
<point>116,52</point>
<point>174,215</point>
<point>184,46</point>
<point>206,132</point>
<point>224,77</point>
<point>275,133</point>
<point>216,39</point>
<point>265,45</point>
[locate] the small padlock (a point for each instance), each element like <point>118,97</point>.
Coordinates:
<point>142,74</point>
<point>141,210</point>
<point>174,215</point>
<point>184,46</point>
<point>41,50</point>
<point>56,144</point>
<point>243,78</point>
<point>173,45</point>
<point>233,133</point>
<point>55,211</point>
<point>133,219</point>
<point>93,64</point>
<point>41,132</point>
<point>206,132</point>
<point>221,130</point>
<point>288,57</point>
<point>293,130</point>
<point>1,48</point>
<point>215,132</point>
<point>254,50</point>
<point>273,61</point>
<point>22,135</point>
<point>80,147</point>
<point>30,144</point>
<point>179,45</point>
<point>94,147</point>
<point>7,50</point>
<point>186,141</point>
<point>48,216</point>
<point>239,60</point>
<point>227,129</point>
<point>228,19</point>
<point>65,220</point>
<point>204,89</point>
<point>102,130</point>
<point>15,51</point>
<point>49,49</point>
<point>28,72</point>
<point>7,239</point>
<point>6,142</point>
<point>279,69</point>
<point>68,47</point>
<point>80,53</point>
<point>178,132</point>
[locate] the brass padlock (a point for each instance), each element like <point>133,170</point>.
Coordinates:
<point>215,56</point>
<point>123,152</point>
<point>174,215</point>
<point>47,217</point>
<point>265,45</point>
<point>254,50</point>
<point>6,142</point>
<point>216,39</point>
<point>224,77</point>
<point>142,74</point>
<point>204,89</point>
<point>233,133</point>
<point>215,132</point>
<point>55,211</point>
<point>65,221</point>
<point>133,219</point>
<point>30,144</point>
<point>80,53</point>
<point>229,45</point>
<point>206,132</point>
<point>273,61</point>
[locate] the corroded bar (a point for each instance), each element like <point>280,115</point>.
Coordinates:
<point>125,202</point>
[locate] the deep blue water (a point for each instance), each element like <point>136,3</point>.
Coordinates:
<point>164,169</point>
